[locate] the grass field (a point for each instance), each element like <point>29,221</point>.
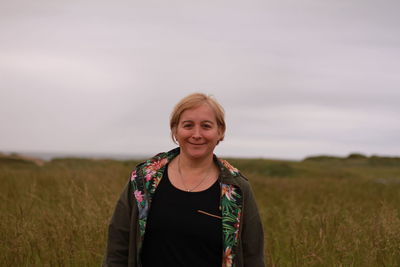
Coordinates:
<point>319,212</point>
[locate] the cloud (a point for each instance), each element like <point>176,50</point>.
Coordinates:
<point>294,77</point>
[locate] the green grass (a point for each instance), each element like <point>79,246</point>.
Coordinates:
<point>318,212</point>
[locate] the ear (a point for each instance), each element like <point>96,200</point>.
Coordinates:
<point>221,134</point>
<point>173,135</point>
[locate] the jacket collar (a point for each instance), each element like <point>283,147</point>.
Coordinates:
<point>227,171</point>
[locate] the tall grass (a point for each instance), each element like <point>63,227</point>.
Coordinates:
<point>315,213</point>
<point>56,215</point>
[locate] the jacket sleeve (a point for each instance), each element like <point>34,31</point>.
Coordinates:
<point>252,233</point>
<point>117,251</point>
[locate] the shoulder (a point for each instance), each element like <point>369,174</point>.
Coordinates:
<point>151,166</point>
<point>232,175</point>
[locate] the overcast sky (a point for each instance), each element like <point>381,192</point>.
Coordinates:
<point>296,78</point>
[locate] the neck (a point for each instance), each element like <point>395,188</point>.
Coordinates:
<point>197,164</point>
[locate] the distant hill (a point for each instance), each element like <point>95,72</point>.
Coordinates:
<point>20,159</point>
<point>360,158</point>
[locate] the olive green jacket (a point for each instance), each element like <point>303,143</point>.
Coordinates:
<point>242,230</point>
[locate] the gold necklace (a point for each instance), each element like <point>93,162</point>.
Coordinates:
<point>183,182</point>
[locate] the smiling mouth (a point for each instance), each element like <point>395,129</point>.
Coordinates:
<point>196,144</point>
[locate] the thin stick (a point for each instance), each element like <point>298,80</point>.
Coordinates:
<point>209,214</point>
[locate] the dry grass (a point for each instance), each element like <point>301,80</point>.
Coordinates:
<point>314,213</point>
<point>56,215</point>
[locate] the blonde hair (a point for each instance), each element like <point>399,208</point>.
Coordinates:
<point>193,101</point>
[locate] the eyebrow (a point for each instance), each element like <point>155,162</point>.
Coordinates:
<point>201,121</point>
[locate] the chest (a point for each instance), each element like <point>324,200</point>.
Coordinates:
<point>192,215</point>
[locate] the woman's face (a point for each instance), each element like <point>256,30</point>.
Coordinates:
<point>198,132</point>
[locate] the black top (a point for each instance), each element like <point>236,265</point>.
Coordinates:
<point>183,228</point>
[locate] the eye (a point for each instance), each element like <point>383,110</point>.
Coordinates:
<point>187,125</point>
<point>207,125</point>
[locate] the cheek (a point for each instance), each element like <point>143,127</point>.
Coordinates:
<point>214,136</point>
<point>181,133</point>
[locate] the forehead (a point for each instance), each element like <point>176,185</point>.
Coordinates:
<point>200,113</point>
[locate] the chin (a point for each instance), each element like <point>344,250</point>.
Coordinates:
<point>198,152</point>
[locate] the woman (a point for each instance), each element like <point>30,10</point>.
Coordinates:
<point>186,207</point>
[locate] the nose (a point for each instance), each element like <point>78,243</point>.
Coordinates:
<point>196,133</point>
